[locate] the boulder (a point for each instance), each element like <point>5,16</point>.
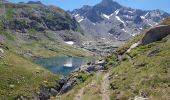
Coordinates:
<point>69,85</point>
<point>91,68</point>
<point>100,62</point>
<point>53,91</point>
<point>44,93</point>
<point>94,68</point>
<point>99,68</point>
<point>155,34</point>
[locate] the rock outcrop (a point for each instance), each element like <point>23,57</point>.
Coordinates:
<point>155,34</point>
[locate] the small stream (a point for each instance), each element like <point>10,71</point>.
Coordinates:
<point>61,65</point>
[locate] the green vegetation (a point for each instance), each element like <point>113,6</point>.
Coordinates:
<point>111,60</point>
<point>91,88</point>
<point>83,76</point>
<point>121,50</point>
<point>21,77</point>
<point>165,21</point>
<point>144,71</point>
<point>22,32</point>
<point>143,75</point>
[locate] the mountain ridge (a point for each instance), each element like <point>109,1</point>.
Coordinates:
<point>110,15</point>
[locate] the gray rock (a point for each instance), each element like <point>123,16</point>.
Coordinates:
<point>21,98</point>
<point>100,62</point>
<point>91,68</point>
<point>44,94</point>
<point>53,91</point>
<point>155,34</point>
<point>154,52</point>
<point>69,85</point>
<point>140,98</point>
<point>99,68</point>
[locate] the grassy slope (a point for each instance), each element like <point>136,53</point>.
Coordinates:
<point>141,75</point>
<point>18,70</point>
<point>25,76</point>
<point>145,75</point>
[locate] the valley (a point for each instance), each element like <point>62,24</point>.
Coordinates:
<point>101,52</point>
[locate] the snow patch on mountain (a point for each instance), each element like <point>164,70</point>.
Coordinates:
<point>142,17</point>
<point>118,18</point>
<point>76,15</point>
<point>146,14</point>
<point>130,12</point>
<point>80,20</point>
<point>117,11</point>
<point>94,23</point>
<point>124,30</point>
<point>70,42</point>
<point>106,16</point>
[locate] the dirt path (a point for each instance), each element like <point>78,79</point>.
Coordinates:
<point>81,91</point>
<point>79,95</point>
<point>105,87</point>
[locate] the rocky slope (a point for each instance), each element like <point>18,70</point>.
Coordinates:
<point>110,20</point>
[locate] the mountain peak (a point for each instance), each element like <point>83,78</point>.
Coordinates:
<point>108,6</point>
<point>107,1</point>
<point>34,2</point>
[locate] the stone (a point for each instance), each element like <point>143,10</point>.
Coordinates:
<point>1,50</point>
<point>67,87</point>
<point>154,52</point>
<point>140,98</point>
<point>100,62</point>
<point>97,68</point>
<point>91,68</point>
<point>53,91</point>
<point>21,98</point>
<point>11,86</point>
<point>44,94</point>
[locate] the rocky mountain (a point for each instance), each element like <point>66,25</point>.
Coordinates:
<point>110,20</point>
<point>49,27</point>
<point>35,16</point>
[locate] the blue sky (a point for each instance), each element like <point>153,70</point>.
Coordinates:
<point>140,4</point>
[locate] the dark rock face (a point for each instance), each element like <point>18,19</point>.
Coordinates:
<point>155,34</point>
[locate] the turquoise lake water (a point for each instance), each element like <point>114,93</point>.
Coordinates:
<point>62,65</point>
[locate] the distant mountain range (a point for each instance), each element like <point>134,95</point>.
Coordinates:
<point>110,20</point>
